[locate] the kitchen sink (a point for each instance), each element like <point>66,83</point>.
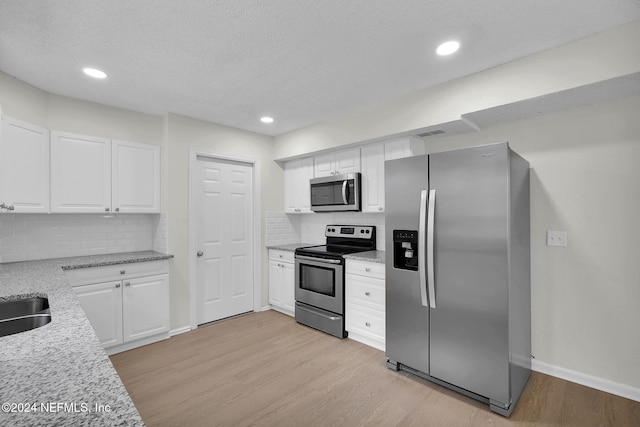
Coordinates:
<point>23,314</point>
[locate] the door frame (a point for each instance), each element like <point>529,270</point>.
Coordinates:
<point>255,220</point>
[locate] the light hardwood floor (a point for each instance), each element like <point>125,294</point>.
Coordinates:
<point>265,369</point>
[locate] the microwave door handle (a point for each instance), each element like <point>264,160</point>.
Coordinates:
<point>422,253</point>
<point>344,191</point>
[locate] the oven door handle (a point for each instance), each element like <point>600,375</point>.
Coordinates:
<point>309,258</point>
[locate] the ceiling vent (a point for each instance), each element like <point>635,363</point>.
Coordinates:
<point>434,132</point>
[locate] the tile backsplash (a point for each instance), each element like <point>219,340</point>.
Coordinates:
<point>285,228</point>
<point>26,237</point>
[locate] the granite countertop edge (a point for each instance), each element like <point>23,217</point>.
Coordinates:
<point>115,259</point>
<point>62,361</point>
<point>369,256</point>
<point>290,247</point>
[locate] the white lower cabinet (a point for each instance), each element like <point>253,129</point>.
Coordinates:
<point>365,302</point>
<point>129,312</point>
<point>282,281</point>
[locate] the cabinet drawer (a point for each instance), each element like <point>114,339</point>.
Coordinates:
<point>364,268</point>
<point>83,276</point>
<point>365,322</point>
<point>278,255</point>
<point>366,291</point>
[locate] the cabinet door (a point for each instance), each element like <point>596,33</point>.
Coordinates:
<point>80,173</point>
<point>24,166</point>
<point>304,175</point>
<point>102,304</point>
<point>324,165</point>
<point>297,174</point>
<point>288,286</point>
<point>276,278</point>
<point>145,306</point>
<point>348,161</point>
<point>135,177</point>
<point>403,147</point>
<point>373,178</point>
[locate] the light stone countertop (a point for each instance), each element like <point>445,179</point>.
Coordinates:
<point>370,256</point>
<point>291,247</point>
<point>60,370</point>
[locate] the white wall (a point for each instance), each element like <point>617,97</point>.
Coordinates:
<point>604,56</point>
<point>27,237</point>
<point>185,133</point>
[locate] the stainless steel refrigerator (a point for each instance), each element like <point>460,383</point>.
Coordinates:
<point>458,292</point>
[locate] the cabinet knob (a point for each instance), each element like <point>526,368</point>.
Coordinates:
<point>122,271</point>
<point>367,269</point>
<point>199,253</point>
<point>368,294</point>
<point>380,208</point>
<point>127,283</point>
<point>118,285</point>
<point>106,209</point>
<point>117,209</point>
<point>367,324</point>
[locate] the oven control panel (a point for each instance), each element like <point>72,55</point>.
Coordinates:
<point>351,231</point>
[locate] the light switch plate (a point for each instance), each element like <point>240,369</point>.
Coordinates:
<point>556,238</point>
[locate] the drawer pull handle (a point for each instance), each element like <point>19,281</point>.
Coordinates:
<point>367,324</point>
<point>368,294</point>
<point>122,271</point>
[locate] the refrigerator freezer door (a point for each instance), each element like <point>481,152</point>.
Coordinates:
<point>407,320</point>
<point>469,326</point>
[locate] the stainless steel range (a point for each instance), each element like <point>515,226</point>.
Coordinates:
<point>319,274</point>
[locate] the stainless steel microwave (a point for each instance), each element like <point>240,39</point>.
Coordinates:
<point>336,193</point>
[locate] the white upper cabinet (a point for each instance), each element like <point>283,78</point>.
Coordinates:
<point>135,177</point>
<point>80,173</point>
<point>338,162</point>
<point>403,147</point>
<point>373,158</point>
<point>373,178</point>
<point>24,167</point>
<point>97,175</point>
<point>297,197</point>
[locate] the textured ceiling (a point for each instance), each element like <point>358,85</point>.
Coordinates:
<point>300,61</point>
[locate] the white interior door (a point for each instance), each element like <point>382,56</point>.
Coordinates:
<point>225,239</point>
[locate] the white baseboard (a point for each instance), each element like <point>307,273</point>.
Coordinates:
<point>608,386</point>
<point>179,331</point>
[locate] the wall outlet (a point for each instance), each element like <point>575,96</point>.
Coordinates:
<point>556,238</point>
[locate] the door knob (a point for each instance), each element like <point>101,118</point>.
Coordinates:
<point>199,253</point>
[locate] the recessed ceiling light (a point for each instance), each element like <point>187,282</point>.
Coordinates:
<point>447,48</point>
<point>266,119</point>
<point>98,74</point>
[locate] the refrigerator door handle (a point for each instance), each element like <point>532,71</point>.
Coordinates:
<point>422,247</point>
<point>430,229</point>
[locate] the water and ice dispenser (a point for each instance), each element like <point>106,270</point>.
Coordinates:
<point>405,249</point>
